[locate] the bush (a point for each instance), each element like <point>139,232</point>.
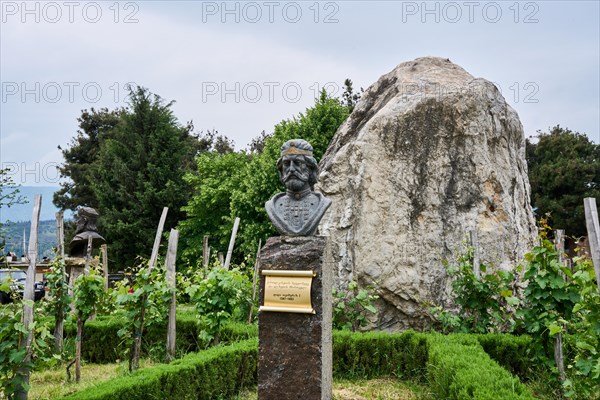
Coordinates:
<point>214,373</point>
<point>455,367</point>
<point>374,354</point>
<point>102,344</point>
<point>458,368</point>
<point>511,352</point>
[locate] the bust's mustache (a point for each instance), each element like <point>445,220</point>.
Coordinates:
<point>295,175</point>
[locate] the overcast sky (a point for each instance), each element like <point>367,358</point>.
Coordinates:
<point>241,67</point>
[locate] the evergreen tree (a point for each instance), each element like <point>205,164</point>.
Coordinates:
<point>94,128</point>
<point>564,168</point>
<point>138,171</point>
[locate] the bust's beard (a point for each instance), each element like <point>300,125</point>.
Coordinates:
<point>295,185</point>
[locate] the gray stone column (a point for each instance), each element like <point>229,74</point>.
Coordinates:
<point>295,350</point>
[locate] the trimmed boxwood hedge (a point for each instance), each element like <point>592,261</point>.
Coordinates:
<point>101,343</point>
<point>458,368</point>
<point>219,372</point>
<point>455,367</point>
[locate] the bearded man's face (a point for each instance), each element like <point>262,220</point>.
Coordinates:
<point>295,173</point>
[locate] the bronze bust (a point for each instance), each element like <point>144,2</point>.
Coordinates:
<point>297,212</point>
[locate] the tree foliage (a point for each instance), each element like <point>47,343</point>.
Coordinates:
<point>233,185</point>
<point>95,126</point>
<point>138,171</point>
<point>564,168</point>
<point>216,177</point>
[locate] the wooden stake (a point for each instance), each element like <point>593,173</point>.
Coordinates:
<point>205,253</point>
<point>593,228</point>
<point>60,235</point>
<point>220,258</point>
<point>159,231</point>
<point>28,298</point>
<point>171,281</point>
<point>558,357</point>
<point>256,265</point>
<point>24,244</point>
<point>104,252</point>
<point>559,245</point>
<point>134,360</point>
<point>475,245</point>
<point>88,256</point>
<point>236,225</point>
<point>60,252</point>
<point>78,339</point>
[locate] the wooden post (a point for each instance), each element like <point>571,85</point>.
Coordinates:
<point>170,278</point>
<point>137,337</point>
<point>104,252</point>
<point>559,245</point>
<point>28,298</point>
<point>60,235</point>
<point>475,245</point>
<point>256,265</point>
<point>81,322</point>
<point>236,224</point>
<point>24,244</point>
<point>593,229</point>
<point>88,256</point>
<point>220,258</point>
<point>558,357</point>
<point>205,253</point>
<point>159,231</point>
<point>60,252</point>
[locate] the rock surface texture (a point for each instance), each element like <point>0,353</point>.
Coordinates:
<point>428,154</point>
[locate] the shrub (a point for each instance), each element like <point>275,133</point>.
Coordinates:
<point>456,367</point>
<point>214,373</point>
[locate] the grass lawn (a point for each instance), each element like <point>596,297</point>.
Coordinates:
<point>52,383</point>
<point>362,389</point>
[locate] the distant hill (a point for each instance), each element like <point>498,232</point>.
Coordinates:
<point>22,212</point>
<point>12,236</point>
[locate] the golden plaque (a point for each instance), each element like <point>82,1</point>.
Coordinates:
<point>288,291</point>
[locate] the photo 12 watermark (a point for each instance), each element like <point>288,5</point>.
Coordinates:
<point>64,92</point>
<point>53,12</point>
<point>30,173</point>
<point>253,12</point>
<point>266,91</point>
<point>516,92</point>
<point>453,12</point>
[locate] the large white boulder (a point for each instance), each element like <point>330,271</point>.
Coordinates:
<point>428,154</point>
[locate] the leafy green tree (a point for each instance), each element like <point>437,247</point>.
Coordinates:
<point>94,128</point>
<point>216,177</point>
<point>138,171</point>
<point>564,168</point>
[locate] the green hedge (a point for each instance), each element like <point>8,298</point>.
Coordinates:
<point>510,351</point>
<point>101,343</point>
<point>458,368</point>
<point>219,372</point>
<point>373,354</point>
<point>455,367</point>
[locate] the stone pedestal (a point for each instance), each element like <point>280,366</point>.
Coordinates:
<point>295,350</point>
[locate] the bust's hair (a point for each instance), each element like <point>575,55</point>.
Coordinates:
<point>311,162</point>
